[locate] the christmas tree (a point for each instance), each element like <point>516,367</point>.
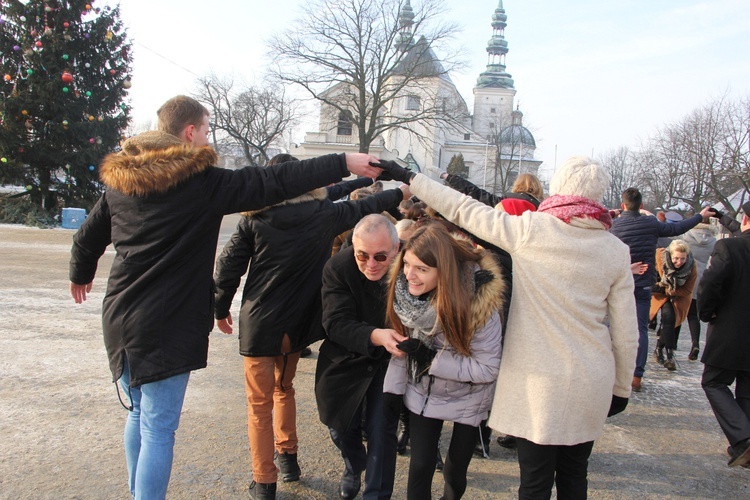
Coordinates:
<point>65,69</point>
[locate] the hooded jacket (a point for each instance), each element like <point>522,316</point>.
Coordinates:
<point>162,212</point>
<point>286,247</point>
<point>702,241</point>
<point>459,388</point>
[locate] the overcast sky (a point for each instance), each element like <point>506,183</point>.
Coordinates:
<point>590,75</point>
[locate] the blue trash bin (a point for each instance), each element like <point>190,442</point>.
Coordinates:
<point>72,218</point>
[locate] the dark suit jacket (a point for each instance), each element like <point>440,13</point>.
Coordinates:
<point>724,301</point>
<point>353,307</point>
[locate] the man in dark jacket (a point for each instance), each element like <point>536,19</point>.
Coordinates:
<point>640,233</point>
<point>162,212</point>
<point>354,358</point>
<point>286,246</point>
<point>723,303</point>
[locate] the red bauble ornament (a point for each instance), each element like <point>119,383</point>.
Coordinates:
<point>67,77</point>
<point>66,24</point>
<point>38,43</point>
<point>112,72</point>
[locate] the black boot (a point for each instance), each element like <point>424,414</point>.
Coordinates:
<point>403,431</point>
<point>693,356</point>
<point>288,467</point>
<point>659,353</point>
<point>262,491</point>
<point>670,364</point>
<point>439,460</point>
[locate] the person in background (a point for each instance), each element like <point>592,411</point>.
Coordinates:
<point>555,401</point>
<point>281,312</point>
<point>162,211</point>
<point>445,296</point>
<point>640,233</point>
<point>701,240</point>
<point>672,295</point>
<point>722,302</point>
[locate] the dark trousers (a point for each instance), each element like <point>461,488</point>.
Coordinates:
<point>380,423</point>
<point>642,306</point>
<point>732,410</point>
<point>694,324</point>
<point>425,433</point>
<point>669,333</point>
<point>545,465</point>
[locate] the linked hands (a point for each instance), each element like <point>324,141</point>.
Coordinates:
<point>389,339</point>
<point>363,165</point>
<point>397,172</point>
<point>78,292</point>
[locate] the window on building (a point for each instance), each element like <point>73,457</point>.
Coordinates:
<point>467,137</point>
<point>493,110</point>
<point>345,123</point>
<point>413,103</point>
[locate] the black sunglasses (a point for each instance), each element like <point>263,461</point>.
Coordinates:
<point>379,257</point>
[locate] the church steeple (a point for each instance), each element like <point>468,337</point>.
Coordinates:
<point>405,38</point>
<point>495,75</point>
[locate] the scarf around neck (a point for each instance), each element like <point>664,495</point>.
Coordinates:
<point>567,207</point>
<point>417,314</point>
<point>673,277</point>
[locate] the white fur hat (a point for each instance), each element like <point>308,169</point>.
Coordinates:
<point>580,176</point>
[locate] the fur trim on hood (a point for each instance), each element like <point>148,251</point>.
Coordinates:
<point>154,162</point>
<point>489,297</point>
<point>315,194</point>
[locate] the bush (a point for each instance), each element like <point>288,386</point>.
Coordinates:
<point>20,210</point>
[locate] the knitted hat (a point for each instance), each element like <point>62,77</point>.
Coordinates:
<point>580,176</point>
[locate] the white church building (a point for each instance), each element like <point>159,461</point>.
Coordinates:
<point>492,140</point>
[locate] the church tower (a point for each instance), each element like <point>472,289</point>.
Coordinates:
<point>494,91</point>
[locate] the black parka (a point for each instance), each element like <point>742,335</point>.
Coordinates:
<point>286,247</point>
<point>353,307</point>
<point>723,303</point>
<point>162,212</point>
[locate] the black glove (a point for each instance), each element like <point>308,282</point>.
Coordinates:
<point>719,213</point>
<point>419,353</point>
<point>617,406</point>
<point>397,172</point>
<point>384,176</point>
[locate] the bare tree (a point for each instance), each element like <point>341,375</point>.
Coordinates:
<point>359,57</point>
<point>251,117</point>
<point>622,168</point>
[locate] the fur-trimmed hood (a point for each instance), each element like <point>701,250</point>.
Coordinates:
<point>316,194</point>
<point>153,162</point>
<point>489,297</point>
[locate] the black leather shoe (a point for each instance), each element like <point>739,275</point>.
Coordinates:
<point>670,363</point>
<point>350,485</point>
<point>306,352</point>
<point>288,467</point>
<point>741,455</point>
<point>507,442</point>
<point>262,491</point>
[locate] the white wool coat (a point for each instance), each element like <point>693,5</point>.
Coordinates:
<point>572,334</point>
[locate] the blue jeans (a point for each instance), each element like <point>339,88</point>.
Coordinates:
<point>149,432</point>
<point>642,307</point>
<point>379,460</point>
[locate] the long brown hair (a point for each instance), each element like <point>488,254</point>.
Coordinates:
<point>434,245</point>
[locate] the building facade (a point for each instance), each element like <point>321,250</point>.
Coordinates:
<point>491,139</point>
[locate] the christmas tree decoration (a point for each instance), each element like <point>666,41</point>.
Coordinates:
<point>127,84</point>
<point>60,112</point>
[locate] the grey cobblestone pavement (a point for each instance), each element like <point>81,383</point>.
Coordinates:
<point>61,423</point>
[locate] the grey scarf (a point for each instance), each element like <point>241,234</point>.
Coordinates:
<point>673,277</point>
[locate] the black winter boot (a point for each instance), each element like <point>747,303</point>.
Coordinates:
<point>288,467</point>
<point>659,353</point>
<point>262,491</point>
<point>670,364</point>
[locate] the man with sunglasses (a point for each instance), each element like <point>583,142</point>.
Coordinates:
<point>354,358</point>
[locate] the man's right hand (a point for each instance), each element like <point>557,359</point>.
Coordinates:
<point>389,339</point>
<point>706,213</point>
<point>359,164</point>
<point>78,292</point>
<point>225,325</point>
